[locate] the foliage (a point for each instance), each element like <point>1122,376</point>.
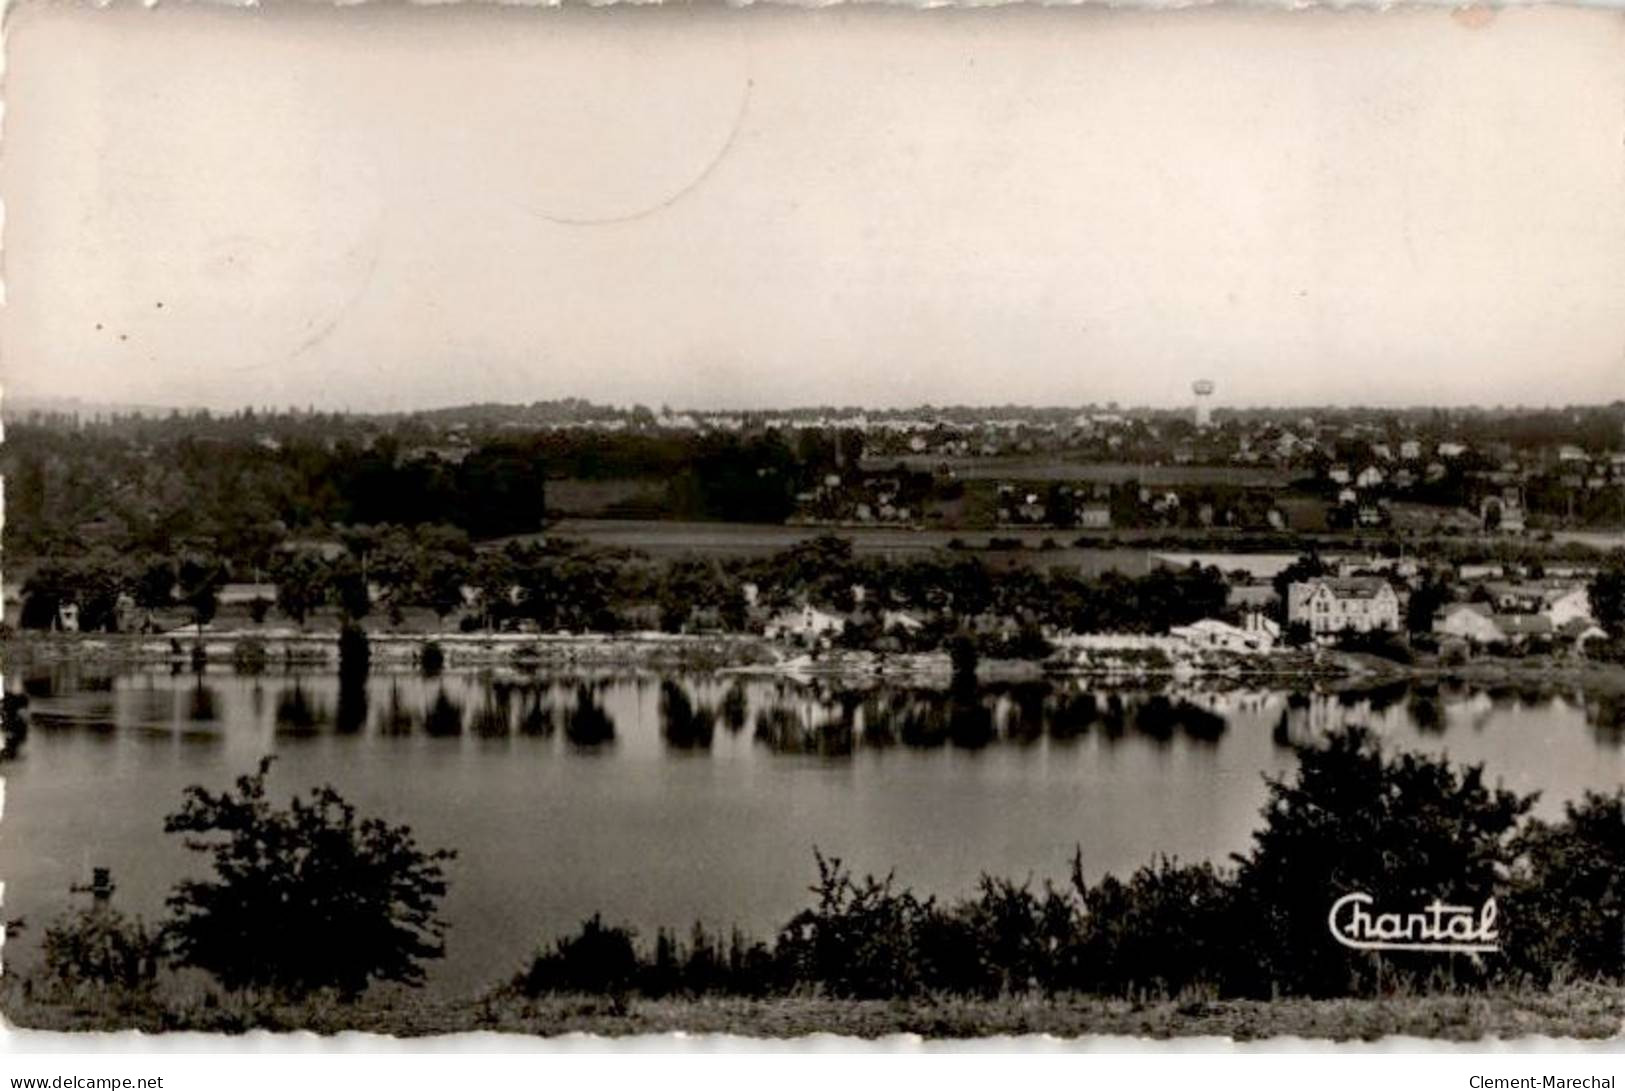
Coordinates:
<point>1567,910</point>
<point>1607,591</point>
<point>1427,599</point>
<point>306,897</point>
<point>1404,828</point>
<point>301,583</point>
<point>102,948</point>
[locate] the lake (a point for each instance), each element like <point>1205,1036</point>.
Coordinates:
<point>666,800</point>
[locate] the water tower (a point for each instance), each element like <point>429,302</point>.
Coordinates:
<point>1203,389</point>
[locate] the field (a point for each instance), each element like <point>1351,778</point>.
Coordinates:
<point>1054,468</point>
<point>574,496</point>
<point>1576,1011</point>
<point>661,538</point>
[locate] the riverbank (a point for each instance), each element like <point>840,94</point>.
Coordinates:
<point>1586,1012</point>
<point>269,648</point>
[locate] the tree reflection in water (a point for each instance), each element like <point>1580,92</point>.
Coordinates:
<point>298,713</point>
<point>588,724</point>
<point>683,724</point>
<point>444,717</point>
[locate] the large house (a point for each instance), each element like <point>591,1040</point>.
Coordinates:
<point>1329,606</point>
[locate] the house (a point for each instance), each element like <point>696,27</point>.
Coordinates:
<point>1568,452</point>
<point>1369,478</point>
<point>1560,601</point>
<point>1336,605</point>
<point>1340,474</point>
<point>1452,450</point>
<point>1095,516</point>
<point>1470,621</point>
<point>1410,450</point>
<point>1221,635</point>
<point>1564,605</point>
<point>808,623</point>
<point>1476,623</point>
<point>1524,628</point>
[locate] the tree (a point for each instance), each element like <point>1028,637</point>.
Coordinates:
<point>200,580</point>
<point>349,589</point>
<point>1405,829</point>
<point>154,586</point>
<point>1607,592</point>
<point>1306,567</point>
<point>493,577</point>
<point>443,576</point>
<point>1430,596</point>
<point>303,898</point>
<point>395,568</point>
<point>301,584</point>
<point>1568,905</point>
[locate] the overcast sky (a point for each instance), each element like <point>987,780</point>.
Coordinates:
<point>381,208</point>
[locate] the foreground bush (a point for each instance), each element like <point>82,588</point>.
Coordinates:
<point>1405,828</point>
<point>100,948</point>
<point>304,898</point>
<point>1567,911</point>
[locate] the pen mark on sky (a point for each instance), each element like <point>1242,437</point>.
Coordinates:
<point>683,191</point>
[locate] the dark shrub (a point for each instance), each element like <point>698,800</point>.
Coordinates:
<point>859,940</point>
<point>1567,910</point>
<point>100,948</point>
<point>248,656</point>
<point>432,659</point>
<point>1405,829</point>
<point>599,959</point>
<point>1160,932</point>
<point>306,898</point>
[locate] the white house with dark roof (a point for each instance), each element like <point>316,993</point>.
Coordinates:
<point>1330,606</point>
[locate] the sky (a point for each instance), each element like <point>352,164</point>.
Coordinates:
<point>387,208</point>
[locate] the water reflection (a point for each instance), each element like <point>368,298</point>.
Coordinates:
<point>683,724</point>
<point>830,718</point>
<point>203,703</point>
<point>588,725</point>
<point>444,717</point>
<point>300,713</point>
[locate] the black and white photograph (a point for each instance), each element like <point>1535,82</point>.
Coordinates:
<point>896,524</point>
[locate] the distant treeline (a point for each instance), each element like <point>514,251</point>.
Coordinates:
<point>239,495</point>
<point>562,585</point>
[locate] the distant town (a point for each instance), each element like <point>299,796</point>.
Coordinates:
<point>1021,530</point>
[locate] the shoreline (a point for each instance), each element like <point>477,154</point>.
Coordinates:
<point>755,655</point>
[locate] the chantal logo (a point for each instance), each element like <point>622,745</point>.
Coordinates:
<point>1439,927</point>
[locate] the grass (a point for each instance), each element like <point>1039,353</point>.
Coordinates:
<point>1574,1011</point>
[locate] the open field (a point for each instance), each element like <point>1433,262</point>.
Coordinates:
<point>662,538</point>
<point>1057,468</point>
<point>574,496</point>
<point>1590,1012</point>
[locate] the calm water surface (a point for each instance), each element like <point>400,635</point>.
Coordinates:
<point>661,801</point>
